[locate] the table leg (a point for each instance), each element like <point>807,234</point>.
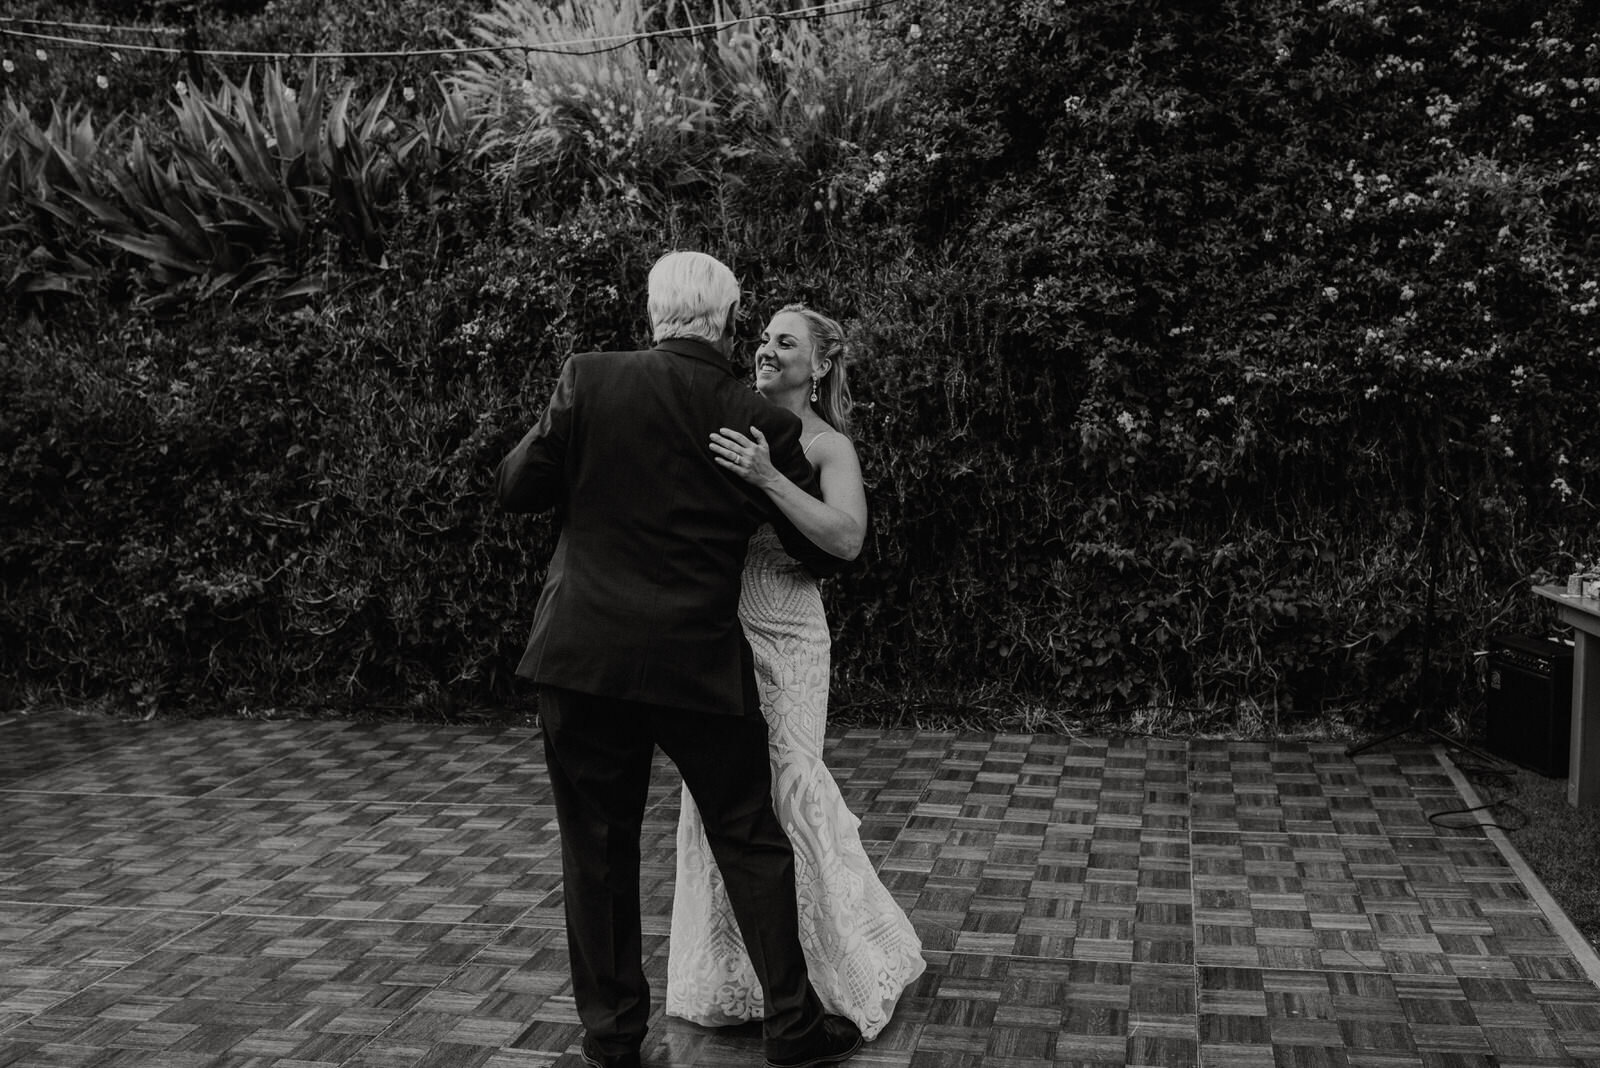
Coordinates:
<point>1583,771</point>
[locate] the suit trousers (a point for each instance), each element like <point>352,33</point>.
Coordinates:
<point>599,752</point>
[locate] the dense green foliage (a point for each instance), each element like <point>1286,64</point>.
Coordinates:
<point>1315,288</point>
<point>1189,342</point>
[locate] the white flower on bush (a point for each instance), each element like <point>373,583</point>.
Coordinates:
<point>1330,292</point>
<point>1407,293</point>
<point>289,94</point>
<point>8,66</point>
<point>1559,484</point>
<point>1442,109</point>
<point>1225,400</point>
<point>1127,422</point>
<point>41,55</point>
<point>181,87</point>
<point>102,81</point>
<point>1494,420</point>
<point>914,32</point>
<point>1523,122</point>
<point>1372,391</point>
<point>408,94</point>
<point>1392,64</point>
<point>1349,7</point>
<point>1510,452</point>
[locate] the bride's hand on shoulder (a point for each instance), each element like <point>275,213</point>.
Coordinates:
<point>747,457</point>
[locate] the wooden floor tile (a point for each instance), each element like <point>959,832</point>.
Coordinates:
<point>322,893</point>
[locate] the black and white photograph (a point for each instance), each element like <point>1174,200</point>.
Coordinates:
<point>799,533</point>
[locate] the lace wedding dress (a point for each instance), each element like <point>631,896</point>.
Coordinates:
<point>860,948</point>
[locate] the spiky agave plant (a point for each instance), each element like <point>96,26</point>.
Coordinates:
<point>577,93</point>
<point>55,249</point>
<point>248,188</point>
<point>554,115</point>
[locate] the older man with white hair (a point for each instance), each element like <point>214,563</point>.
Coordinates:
<point>636,644</point>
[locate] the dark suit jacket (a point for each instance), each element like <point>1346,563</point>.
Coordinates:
<point>641,598</point>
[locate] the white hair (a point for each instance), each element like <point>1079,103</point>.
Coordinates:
<point>690,294</point>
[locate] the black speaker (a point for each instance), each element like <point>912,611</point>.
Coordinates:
<point>1530,702</point>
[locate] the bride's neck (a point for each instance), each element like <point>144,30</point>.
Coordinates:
<point>793,401</point>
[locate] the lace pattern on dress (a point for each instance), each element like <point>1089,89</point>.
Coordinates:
<point>860,947</point>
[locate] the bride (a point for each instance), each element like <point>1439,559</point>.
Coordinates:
<point>860,947</point>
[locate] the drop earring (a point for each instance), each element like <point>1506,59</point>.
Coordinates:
<point>814,382</point>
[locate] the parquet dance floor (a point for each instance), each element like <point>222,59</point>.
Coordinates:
<point>313,894</point>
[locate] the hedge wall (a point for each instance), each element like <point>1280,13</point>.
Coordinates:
<point>1190,343</point>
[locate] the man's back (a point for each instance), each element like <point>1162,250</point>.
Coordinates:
<point>642,594</point>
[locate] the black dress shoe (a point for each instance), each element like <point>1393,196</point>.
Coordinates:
<point>594,1056</point>
<point>837,1039</point>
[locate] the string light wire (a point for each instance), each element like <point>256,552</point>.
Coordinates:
<point>94,27</point>
<point>602,44</point>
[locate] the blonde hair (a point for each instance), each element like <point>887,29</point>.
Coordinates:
<point>690,294</point>
<point>833,401</point>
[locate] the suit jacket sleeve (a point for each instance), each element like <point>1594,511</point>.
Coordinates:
<point>783,441</point>
<point>532,477</point>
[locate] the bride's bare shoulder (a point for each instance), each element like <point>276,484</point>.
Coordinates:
<point>830,447</point>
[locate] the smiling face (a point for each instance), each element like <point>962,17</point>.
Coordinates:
<point>786,358</point>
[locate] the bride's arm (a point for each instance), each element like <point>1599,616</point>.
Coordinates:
<point>837,522</point>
